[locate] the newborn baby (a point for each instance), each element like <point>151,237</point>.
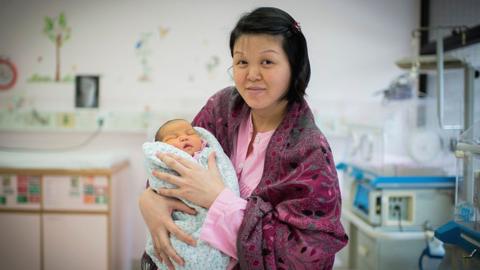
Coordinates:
<point>180,138</point>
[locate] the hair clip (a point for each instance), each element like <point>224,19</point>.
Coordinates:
<point>296,25</point>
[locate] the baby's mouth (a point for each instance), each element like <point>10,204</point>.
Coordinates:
<point>187,145</point>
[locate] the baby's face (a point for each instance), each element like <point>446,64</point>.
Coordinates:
<point>182,135</point>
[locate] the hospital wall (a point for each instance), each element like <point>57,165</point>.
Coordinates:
<point>162,59</point>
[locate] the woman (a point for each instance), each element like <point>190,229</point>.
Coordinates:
<point>288,215</point>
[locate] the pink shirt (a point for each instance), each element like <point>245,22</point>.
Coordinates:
<point>225,215</point>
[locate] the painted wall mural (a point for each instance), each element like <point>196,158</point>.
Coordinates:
<point>212,63</point>
<point>163,31</point>
<point>58,32</point>
<point>144,52</point>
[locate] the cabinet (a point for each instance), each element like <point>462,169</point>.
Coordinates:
<point>372,248</point>
<point>65,217</point>
<point>88,249</point>
<point>21,232</point>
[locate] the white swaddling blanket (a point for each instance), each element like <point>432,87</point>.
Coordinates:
<point>203,256</point>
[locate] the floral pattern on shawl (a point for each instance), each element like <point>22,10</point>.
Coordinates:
<point>292,219</point>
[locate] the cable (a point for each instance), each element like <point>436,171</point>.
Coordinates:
<point>420,260</point>
<point>57,149</point>
<point>427,252</point>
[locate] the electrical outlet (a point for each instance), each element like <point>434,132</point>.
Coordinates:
<point>100,121</point>
<point>66,120</point>
<point>399,208</point>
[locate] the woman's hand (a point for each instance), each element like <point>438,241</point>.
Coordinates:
<point>157,213</point>
<point>196,184</point>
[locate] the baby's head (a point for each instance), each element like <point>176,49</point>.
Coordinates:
<point>181,134</point>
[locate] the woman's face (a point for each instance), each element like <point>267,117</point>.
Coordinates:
<point>261,71</point>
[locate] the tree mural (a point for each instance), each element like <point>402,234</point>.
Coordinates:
<point>144,53</point>
<point>58,32</point>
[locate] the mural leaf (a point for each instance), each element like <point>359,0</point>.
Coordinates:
<point>62,20</point>
<point>48,28</point>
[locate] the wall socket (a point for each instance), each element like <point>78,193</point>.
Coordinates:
<point>400,208</point>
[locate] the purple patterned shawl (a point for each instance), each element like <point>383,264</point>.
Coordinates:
<point>292,219</point>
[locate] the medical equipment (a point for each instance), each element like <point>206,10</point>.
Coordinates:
<point>402,200</point>
<point>398,177</point>
<point>461,235</point>
<point>434,249</point>
<point>388,209</point>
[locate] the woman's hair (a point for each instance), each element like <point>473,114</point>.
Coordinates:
<point>274,21</point>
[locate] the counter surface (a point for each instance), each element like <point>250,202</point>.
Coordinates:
<point>63,160</point>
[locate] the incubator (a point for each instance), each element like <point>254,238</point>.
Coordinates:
<point>461,236</point>
<point>402,200</point>
<point>400,179</point>
<point>417,175</point>
<point>400,172</point>
<point>398,183</point>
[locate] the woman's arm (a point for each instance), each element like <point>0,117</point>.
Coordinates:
<point>223,220</point>
<point>156,211</point>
